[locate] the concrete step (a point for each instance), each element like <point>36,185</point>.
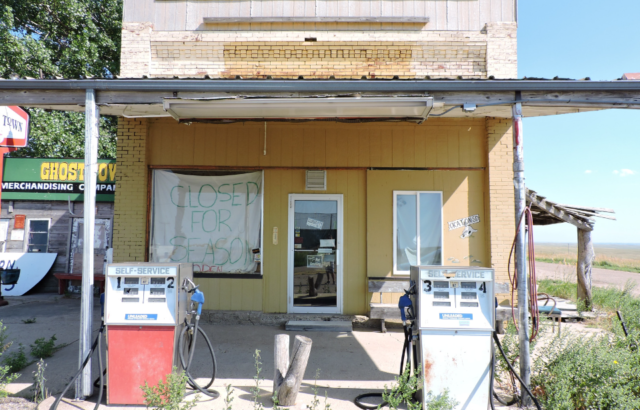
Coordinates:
<point>319,326</point>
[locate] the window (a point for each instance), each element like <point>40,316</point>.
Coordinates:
<point>417,230</point>
<point>37,235</point>
<point>212,219</point>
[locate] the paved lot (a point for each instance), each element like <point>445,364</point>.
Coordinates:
<point>600,277</point>
<point>349,363</point>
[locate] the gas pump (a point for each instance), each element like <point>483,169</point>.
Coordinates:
<point>454,309</point>
<point>145,311</point>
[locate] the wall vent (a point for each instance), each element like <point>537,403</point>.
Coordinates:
<point>316,180</point>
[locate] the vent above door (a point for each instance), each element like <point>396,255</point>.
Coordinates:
<point>316,180</point>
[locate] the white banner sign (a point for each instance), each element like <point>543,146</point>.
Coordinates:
<point>210,221</point>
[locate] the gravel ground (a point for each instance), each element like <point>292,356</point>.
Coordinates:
<point>16,403</point>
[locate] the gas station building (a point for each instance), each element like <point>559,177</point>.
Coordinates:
<point>295,151</point>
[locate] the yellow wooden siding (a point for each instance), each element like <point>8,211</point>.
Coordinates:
<point>231,294</point>
<point>462,196</point>
<point>278,185</point>
<point>444,143</point>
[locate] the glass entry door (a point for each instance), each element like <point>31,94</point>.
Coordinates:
<point>315,251</point>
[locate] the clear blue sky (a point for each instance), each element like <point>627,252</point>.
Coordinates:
<point>590,159</point>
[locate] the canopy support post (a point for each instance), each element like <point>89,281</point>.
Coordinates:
<point>523,291</point>
<point>84,386</point>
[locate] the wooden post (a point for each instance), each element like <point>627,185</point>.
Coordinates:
<point>287,388</point>
<point>586,255</point>
<point>281,355</point>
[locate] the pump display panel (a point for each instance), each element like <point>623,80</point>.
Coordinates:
<point>142,295</point>
<point>454,297</point>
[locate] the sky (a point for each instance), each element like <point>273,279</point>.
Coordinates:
<point>588,159</point>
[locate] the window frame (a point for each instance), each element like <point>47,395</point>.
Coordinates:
<point>395,270</point>
<point>27,232</point>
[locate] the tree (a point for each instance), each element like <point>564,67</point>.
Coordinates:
<point>68,39</point>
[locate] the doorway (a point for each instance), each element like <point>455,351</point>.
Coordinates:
<point>315,253</point>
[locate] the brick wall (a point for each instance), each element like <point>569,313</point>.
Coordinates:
<point>130,221</point>
<point>502,50</point>
<point>499,204</point>
<point>342,54</point>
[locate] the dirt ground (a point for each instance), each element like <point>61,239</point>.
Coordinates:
<point>600,277</point>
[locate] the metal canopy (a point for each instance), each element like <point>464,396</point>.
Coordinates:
<point>483,98</point>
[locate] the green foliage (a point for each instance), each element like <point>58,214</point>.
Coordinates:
<point>40,392</point>
<point>440,402</point>
<point>402,393</point>
<point>315,402</point>
<point>602,372</point>
<point>170,394</point>
<point>594,373</point>
<point>17,360</point>
<point>7,375</point>
<point>228,398</point>
<point>29,321</point>
<point>42,348</point>
<point>255,390</point>
<point>59,134</point>
<point>67,38</point>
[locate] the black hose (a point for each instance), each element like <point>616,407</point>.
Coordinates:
<point>535,401</point>
<point>186,364</point>
<point>96,343</point>
<point>407,346</point>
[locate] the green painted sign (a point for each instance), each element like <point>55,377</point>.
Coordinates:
<point>44,179</point>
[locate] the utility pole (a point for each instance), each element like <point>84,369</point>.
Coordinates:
<point>84,386</point>
<point>520,204</point>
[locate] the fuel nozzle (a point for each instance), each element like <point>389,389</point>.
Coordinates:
<point>405,305</point>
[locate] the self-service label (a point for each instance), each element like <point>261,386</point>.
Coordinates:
<point>456,316</point>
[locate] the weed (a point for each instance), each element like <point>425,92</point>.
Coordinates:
<point>40,392</point>
<point>257,378</point>
<point>6,374</point>
<point>168,395</point>
<point>274,398</point>
<point>407,384</point>
<point>228,398</point>
<point>315,401</point>
<point>440,402</point>
<point>327,406</point>
<point>17,360</point>
<point>41,348</point>
<point>29,321</point>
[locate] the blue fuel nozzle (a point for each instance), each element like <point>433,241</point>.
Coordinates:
<point>198,297</point>
<point>404,302</point>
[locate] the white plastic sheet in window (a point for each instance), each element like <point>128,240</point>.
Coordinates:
<point>210,221</point>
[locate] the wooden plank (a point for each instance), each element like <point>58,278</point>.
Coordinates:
<point>474,15</point>
<point>452,15</point>
<point>384,311</point>
<point>463,14</point>
<point>588,208</point>
<point>557,212</point>
<point>441,14</point>
<point>388,286</point>
<point>484,10</point>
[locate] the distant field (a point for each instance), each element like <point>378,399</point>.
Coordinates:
<point>609,256</point>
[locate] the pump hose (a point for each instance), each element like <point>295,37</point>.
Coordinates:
<point>535,401</point>
<point>186,364</point>
<point>406,348</point>
<point>97,343</point>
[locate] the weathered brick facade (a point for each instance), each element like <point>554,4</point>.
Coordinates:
<point>130,216</point>
<point>341,54</point>
<point>500,200</point>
